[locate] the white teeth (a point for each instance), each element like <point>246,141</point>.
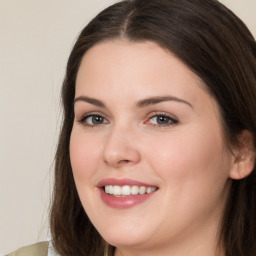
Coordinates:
<point>109,189</point>
<point>117,191</point>
<point>142,190</point>
<point>128,190</point>
<point>151,189</point>
<point>135,190</point>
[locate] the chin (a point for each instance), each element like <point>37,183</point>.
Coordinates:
<point>125,240</point>
<point>125,236</point>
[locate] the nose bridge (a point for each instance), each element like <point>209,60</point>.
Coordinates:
<point>120,146</point>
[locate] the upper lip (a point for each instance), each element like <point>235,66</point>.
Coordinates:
<point>122,182</point>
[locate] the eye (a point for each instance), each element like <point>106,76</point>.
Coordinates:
<point>93,120</point>
<point>162,120</point>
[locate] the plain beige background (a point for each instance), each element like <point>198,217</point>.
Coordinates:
<point>35,40</point>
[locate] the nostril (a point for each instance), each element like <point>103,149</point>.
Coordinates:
<point>123,162</point>
<point>119,162</point>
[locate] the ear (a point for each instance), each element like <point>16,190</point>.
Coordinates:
<point>244,157</point>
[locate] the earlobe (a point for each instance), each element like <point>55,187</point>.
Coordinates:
<point>244,157</point>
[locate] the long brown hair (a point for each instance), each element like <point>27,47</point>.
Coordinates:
<point>217,46</point>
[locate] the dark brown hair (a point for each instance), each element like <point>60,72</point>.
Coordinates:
<point>214,44</point>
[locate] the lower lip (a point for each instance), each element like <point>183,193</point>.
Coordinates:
<point>123,202</point>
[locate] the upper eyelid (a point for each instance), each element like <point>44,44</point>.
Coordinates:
<point>90,113</point>
<point>162,113</point>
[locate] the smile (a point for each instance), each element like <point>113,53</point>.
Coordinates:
<point>121,191</point>
<point>125,193</point>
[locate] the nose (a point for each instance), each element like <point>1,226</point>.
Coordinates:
<point>120,148</point>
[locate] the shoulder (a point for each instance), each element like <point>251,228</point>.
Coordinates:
<point>38,249</point>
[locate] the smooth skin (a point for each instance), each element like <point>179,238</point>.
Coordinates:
<point>140,113</point>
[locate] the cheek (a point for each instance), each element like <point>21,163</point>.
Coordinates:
<point>194,159</point>
<point>83,156</point>
<point>193,171</point>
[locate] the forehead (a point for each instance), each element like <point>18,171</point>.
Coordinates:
<point>130,64</point>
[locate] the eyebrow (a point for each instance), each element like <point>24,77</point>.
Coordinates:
<point>159,99</point>
<point>92,101</point>
<point>139,104</point>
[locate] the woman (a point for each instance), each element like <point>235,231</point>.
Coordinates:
<point>157,150</point>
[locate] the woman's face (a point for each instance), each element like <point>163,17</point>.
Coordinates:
<point>147,150</point>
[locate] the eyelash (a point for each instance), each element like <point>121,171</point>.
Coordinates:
<point>170,120</point>
<point>87,116</point>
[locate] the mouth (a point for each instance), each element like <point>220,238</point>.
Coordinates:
<point>126,190</point>
<point>125,193</point>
